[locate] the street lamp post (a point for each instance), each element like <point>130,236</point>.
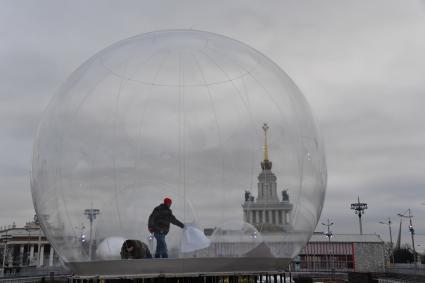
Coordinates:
<point>412,232</point>
<point>91,215</point>
<point>391,237</point>
<point>359,209</point>
<point>328,234</point>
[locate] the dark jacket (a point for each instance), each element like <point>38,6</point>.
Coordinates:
<point>140,250</point>
<point>160,219</point>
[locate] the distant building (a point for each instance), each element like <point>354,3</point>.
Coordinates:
<point>267,213</point>
<point>26,246</point>
<point>345,252</point>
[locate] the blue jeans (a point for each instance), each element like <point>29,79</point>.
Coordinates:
<point>161,245</point>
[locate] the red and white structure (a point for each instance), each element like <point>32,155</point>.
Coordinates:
<point>345,252</point>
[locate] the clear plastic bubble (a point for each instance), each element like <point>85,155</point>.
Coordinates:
<point>110,248</point>
<point>178,114</point>
<point>234,239</point>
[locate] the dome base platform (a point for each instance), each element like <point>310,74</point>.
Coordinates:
<point>148,268</point>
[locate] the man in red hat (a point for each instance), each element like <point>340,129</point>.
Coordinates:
<point>159,225</point>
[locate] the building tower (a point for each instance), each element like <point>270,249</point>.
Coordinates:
<point>267,213</point>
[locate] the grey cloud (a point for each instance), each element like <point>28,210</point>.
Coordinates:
<point>360,65</point>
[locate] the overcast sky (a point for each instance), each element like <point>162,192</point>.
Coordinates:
<point>360,65</point>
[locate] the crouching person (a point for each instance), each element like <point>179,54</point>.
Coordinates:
<point>135,249</point>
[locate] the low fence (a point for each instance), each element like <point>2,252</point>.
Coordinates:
<point>407,268</point>
<point>33,274</point>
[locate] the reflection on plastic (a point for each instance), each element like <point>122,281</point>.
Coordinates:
<point>193,239</point>
<point>110,248</point>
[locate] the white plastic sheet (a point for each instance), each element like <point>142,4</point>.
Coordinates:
<point>193,239</point>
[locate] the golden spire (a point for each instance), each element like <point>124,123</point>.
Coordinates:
<point>266,164</point>
<point>266,148</point>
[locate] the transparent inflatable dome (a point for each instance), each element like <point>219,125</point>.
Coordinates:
<point>197,117</point>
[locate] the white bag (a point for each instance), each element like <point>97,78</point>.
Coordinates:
<point>193,239</point>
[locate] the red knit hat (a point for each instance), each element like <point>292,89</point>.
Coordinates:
<point>168,201</point>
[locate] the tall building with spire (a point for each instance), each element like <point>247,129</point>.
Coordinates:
<point>268,213</point>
